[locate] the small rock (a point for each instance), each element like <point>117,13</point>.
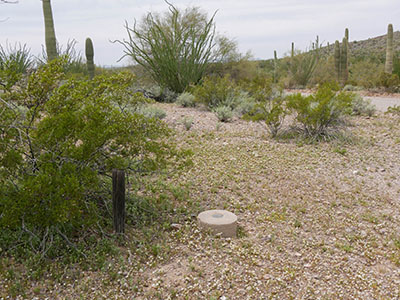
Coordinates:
<point>268,238</point>
<point>176,226</point>
<point>356,172</point>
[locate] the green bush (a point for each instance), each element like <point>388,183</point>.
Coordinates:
<point>186,100</point>
<point>151,111</point>
<point>391,82</point>
<point>216,91</point>
<point>259,87</point>
<point>365,73</point>
<point>362,107</point>
<point>14,62</point>
<point>159,94</point>
<point>224,113</point>
<point>394,110</point>
<point>187,122</point>
<point>322,111</point>
<point>303,64</point>
<point>271,110</point>
<point>245,104</point>
<point>17,58</point>
<point>175,47</point>
<point>56,152</point>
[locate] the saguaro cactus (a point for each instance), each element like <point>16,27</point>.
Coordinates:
<point>337,60</point>
<point>292,52</point>
<point>341,67</point>
<point>89,57</point>
<point>346,34</point>
<point>344,69</point>
<point>275,66</point>
<point>50,34</point>
<point>389,50</point>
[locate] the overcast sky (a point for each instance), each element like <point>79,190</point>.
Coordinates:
<point>258,26</point>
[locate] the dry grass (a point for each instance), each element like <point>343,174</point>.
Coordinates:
<point>317,221</point>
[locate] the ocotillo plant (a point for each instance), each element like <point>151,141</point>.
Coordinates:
<point>389,50</point>
<point>89,57</point>
<point>50,34</point>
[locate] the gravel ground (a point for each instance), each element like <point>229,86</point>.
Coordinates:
<point>316,221</point>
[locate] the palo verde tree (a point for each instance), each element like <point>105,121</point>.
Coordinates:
<point>60,139</point>
<point>174,47</point>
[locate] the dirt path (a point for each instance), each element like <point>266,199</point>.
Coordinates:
<point>382,103</point>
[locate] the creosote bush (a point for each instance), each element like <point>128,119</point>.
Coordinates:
<point>321,112</point>
<point>60,139</point>
<point>271,110</point>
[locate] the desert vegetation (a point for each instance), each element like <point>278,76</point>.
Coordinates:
<point>195,125</point>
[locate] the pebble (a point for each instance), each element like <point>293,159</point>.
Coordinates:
<point>176,226</point>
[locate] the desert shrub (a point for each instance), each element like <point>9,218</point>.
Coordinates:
<point>259,87</point>
<point>271,110</point>
<point>176,47</point>
<point>14,62</point>
<point>303,65</point>
<point>365,73</point>
<point>362,106</point>
<point>394,110</point>
<point>231,62</point>
<point>157,93</point>
<point>322,111</point>
<point>224,113</point>
<point>187,122</point>
<point>186,100</point>
<point>56,152</point>
<point>168,95</point>
<point>351,88</point>
<point>323,71</point>
<point>391,82</point>
<point>74,64</point>
<point>216,91</point>
<point>151,111</point>
<point>245,104</point>
<point>17,58</point>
